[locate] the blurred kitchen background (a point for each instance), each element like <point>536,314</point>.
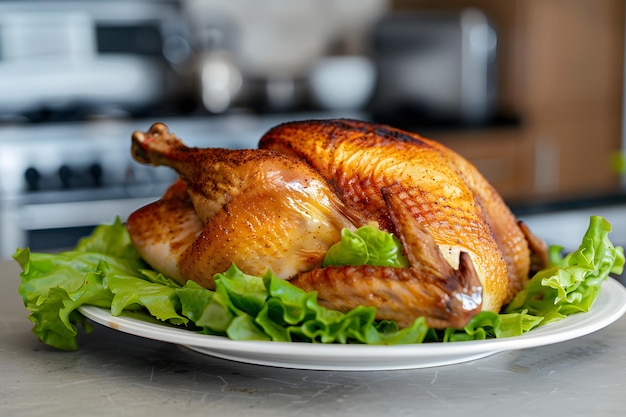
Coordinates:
<point>531,91</point>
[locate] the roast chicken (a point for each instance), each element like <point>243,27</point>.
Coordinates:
<point>281,207</point>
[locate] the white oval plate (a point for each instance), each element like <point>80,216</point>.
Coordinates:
<point>610,306</point>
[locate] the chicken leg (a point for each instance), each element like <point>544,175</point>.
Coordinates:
<point>258,209</point>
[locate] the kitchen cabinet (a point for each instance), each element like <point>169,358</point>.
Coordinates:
<point>561,73</point>
<point>501,154</point>
<point>572,98</point>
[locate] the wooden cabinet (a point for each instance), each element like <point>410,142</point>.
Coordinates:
<point>561,72</point>
<point>572,91</point>
<point>502,155</point>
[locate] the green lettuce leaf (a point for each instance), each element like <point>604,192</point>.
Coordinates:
<point>105,270</point>
<point>246,307</point>
<point>573,282</point>
<point>366,246</point>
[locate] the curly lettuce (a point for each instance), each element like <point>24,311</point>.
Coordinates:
<point>573,282</point>
<point>366,246</point>
<point>105,270</point>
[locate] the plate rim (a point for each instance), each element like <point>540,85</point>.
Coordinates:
<point>608,308</point>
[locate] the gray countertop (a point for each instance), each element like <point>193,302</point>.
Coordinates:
<point>124,375</point>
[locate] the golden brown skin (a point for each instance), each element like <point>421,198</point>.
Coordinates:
<point>282,208</point>
<point>442,191</point>
<point>257,208</point>
<point>429,288</point>
<point>162,231</point>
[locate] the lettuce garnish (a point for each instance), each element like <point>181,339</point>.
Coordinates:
<point>366,246</point>
<point>572,283</point>
<point>105,270</point>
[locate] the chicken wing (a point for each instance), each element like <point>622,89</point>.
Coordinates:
<point>428,288</point>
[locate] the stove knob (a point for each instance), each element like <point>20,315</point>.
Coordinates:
<point>32,177</point>
<point>65,174</point>
<point>95,170</point>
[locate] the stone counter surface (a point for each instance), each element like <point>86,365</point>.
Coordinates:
<point>115,374</point>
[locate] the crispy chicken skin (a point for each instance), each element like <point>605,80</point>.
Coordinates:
<point>257,208</point>
<point>443,192</point>
<point>282,206</point>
